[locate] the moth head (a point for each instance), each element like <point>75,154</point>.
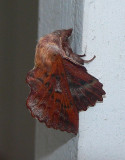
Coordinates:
<point>63,34</point>
<point>51,45</point>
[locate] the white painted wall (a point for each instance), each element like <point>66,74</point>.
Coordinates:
<point>102,128</point>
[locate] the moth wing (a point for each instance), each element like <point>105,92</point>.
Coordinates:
<point>85,89</point>
<point>50,99</point>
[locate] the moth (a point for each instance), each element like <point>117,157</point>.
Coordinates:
<point>60,84</point>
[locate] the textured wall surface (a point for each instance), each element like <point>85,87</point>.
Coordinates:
<point>102,128</point>
<point>58,14</point>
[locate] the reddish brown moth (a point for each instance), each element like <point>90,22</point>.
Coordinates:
<point>60,85</point>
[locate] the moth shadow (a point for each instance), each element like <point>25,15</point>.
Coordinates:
<point>52,143</point>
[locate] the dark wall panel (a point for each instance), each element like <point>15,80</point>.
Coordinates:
<point>18,37</point>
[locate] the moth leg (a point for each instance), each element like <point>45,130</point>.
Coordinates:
<point>87,61</point>
<point>81,55</point>
<point>71,60</point>
<point>81,62</point>
<point>78,57</point>
<point>75,58</point>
